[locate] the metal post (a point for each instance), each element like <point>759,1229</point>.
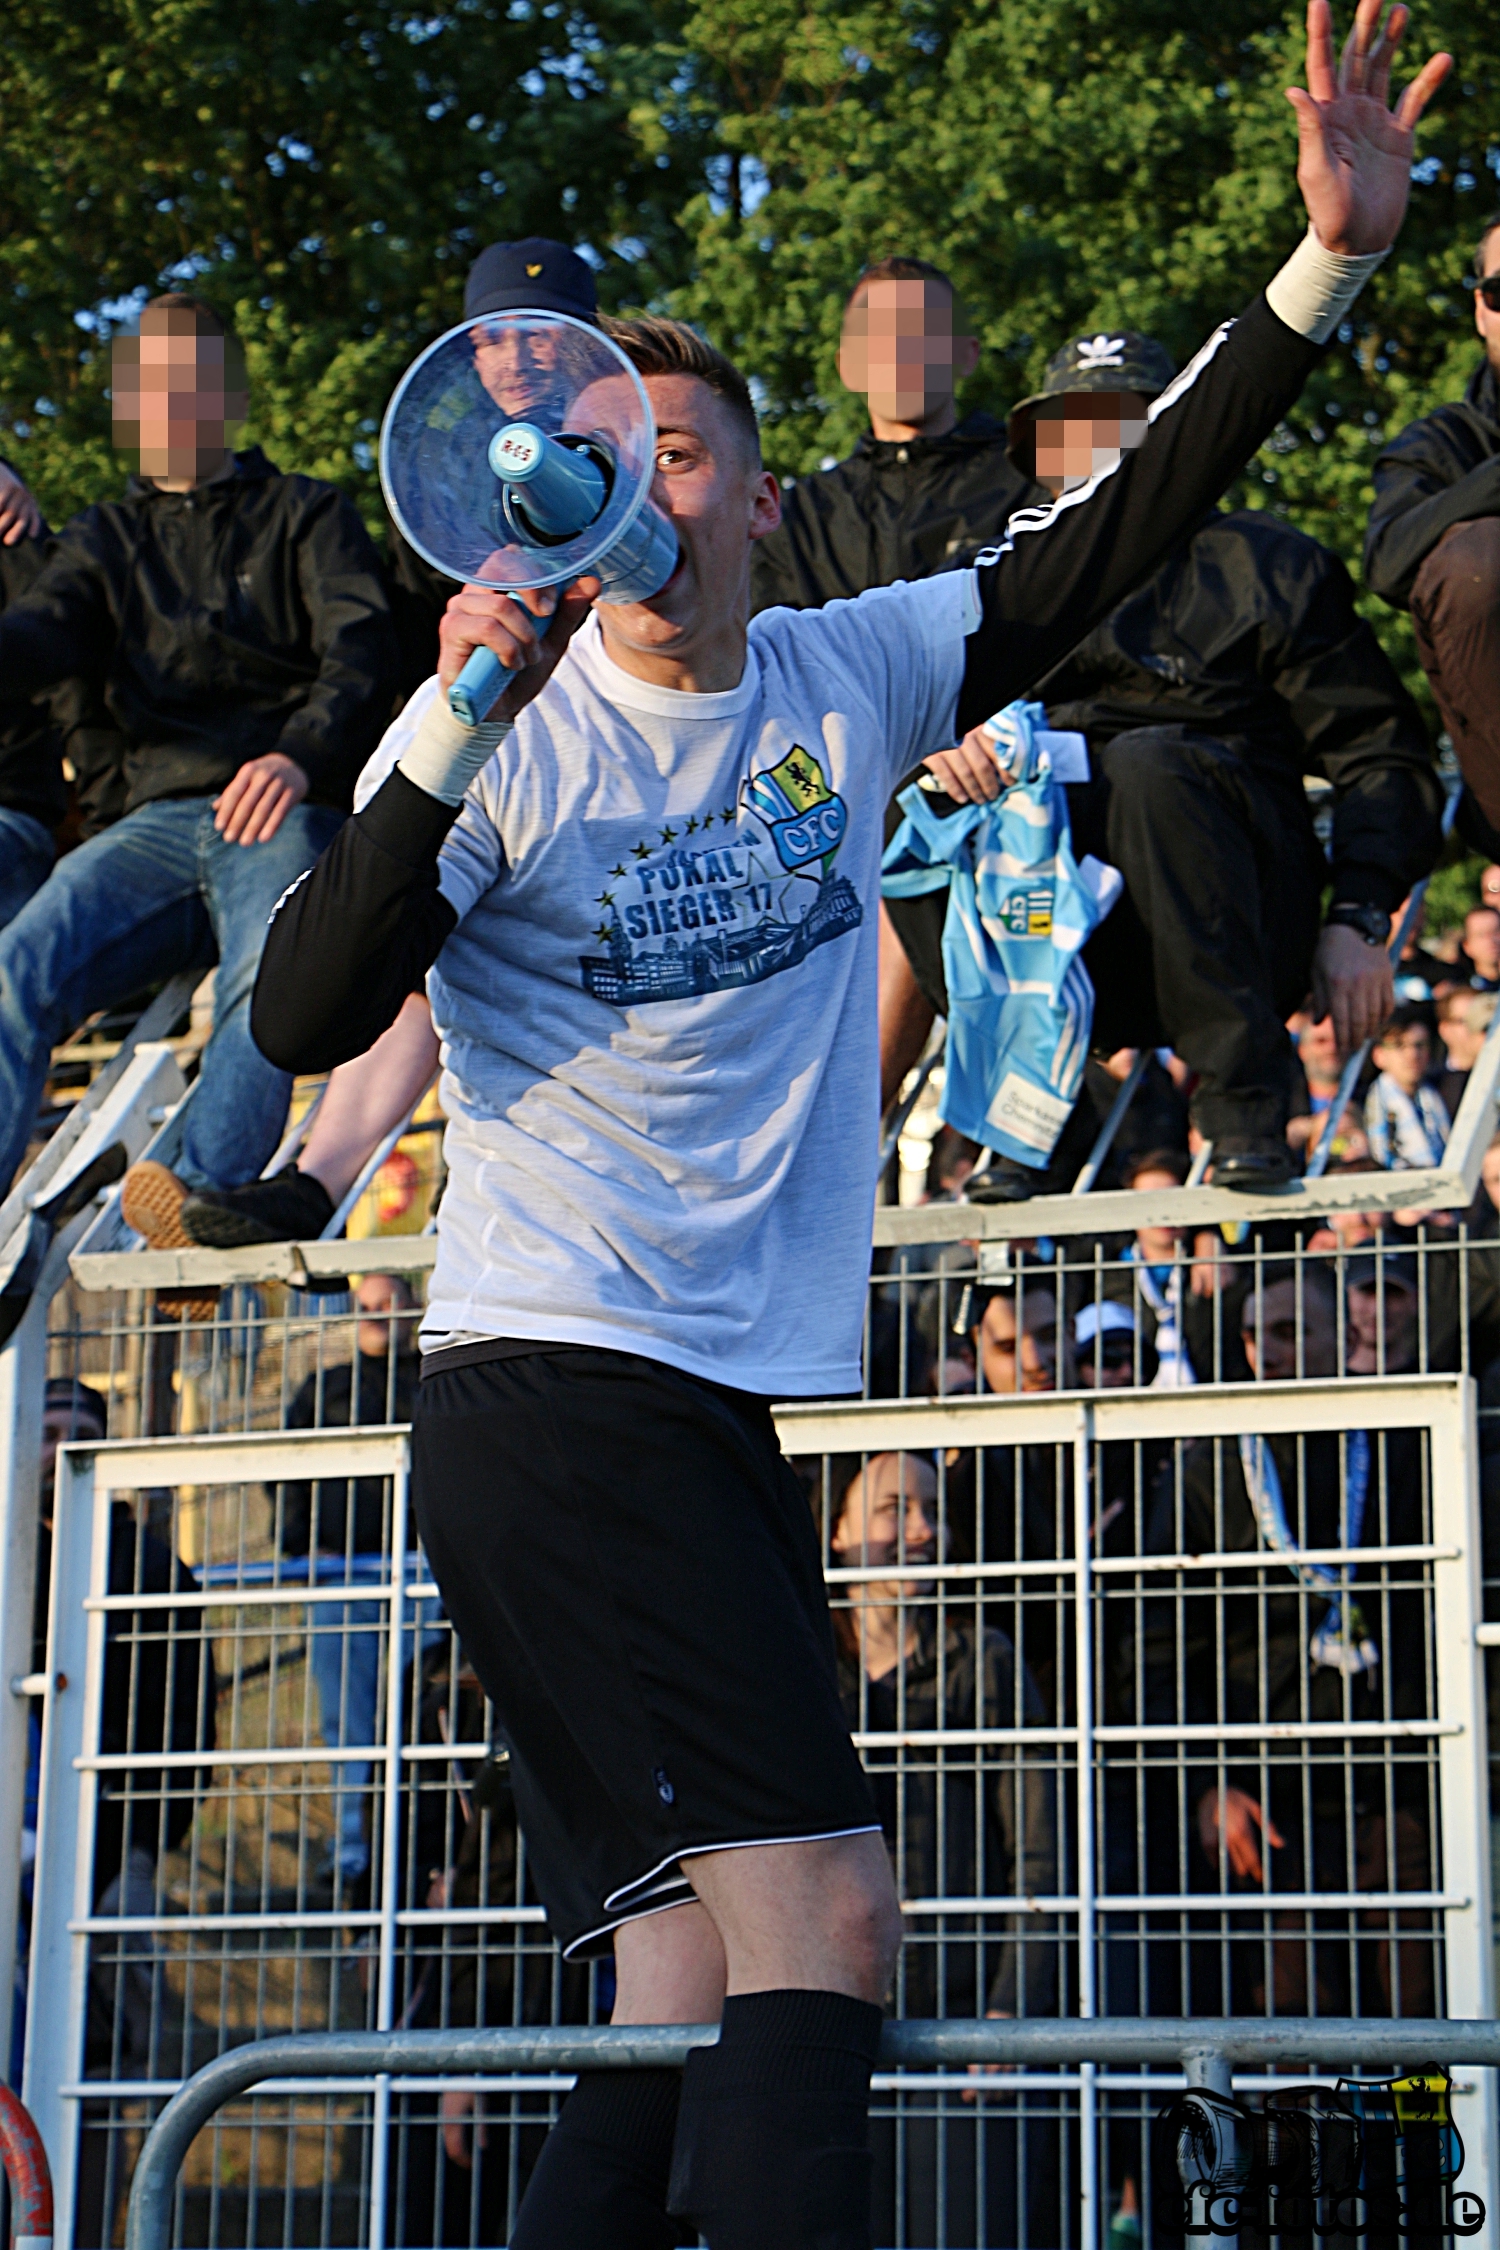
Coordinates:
<point>390,1855</point>
<point>1090,2215</point>
<point>65,1823</point>
<point>1111,1125</point>
<point>1463,1759</point>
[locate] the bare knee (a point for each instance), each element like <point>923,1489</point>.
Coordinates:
<point>1457,583</point>
<point>818,1916</point>
<point>868,1934</point>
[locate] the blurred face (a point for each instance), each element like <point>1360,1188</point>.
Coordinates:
<point>1482,935</point>
<point>61,1427</point>
<point>1486,321</point>
<point>519,369</point>
<point>719,501</point>
<point>1027,1363</point>
<point>1400,1309</point>
<point>899,351</point>
<point>889,1515</point>
<point>1460,1039</point>
<point>1107,1362</point>
<point>177,398</point>
<point>1083,433</point>
<point>1407,1056</point>
<point>1489,1173</point>
<point>387,1314</point>
<point>1271,1344</point>
<point>1157,1245</point>
<point>1319,1052</point>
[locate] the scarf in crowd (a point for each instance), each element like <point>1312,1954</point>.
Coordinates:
<point>1330,1646</point>
<point>1408,1132</point>
<point>1020,1001</point>
<point>1175,1371</point>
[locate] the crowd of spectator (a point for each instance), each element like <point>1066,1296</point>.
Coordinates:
<point>190,681</point>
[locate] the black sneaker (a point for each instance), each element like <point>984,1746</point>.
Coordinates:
<point>1003,1180</point>
<point>1252,1163</point>
<point>289,1207</point>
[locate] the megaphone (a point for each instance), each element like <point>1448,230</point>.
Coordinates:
<point>518,452</point>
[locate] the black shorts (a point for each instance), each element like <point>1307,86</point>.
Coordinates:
<point>634,1574</point>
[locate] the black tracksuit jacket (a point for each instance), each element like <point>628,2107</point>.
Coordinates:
<point>1442,470</point>
<point>352,940</point>
<point>890,511</point>
<point>31,775</point>
<point>246,616</point>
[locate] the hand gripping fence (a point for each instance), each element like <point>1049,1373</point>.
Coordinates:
<point>1205,2049</point>
<point>26,2170</point>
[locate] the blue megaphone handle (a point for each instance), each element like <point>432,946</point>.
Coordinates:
<point>481,682</point>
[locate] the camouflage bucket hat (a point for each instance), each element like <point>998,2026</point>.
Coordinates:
<point>1111,360</point>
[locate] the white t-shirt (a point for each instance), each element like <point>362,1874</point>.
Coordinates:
<point>658,1010</point>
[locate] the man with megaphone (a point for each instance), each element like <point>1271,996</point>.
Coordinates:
<point>644,880</point>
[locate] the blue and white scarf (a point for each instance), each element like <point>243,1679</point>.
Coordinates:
<point>1020,1001</point>
<point>1408,1133</point>
<point>1332,1646</point>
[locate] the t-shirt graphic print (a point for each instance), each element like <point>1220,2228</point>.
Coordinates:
<point>733,897</point>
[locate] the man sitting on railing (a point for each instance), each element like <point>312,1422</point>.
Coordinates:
<point>1203,700</point>
<point>236,621</point>
<point>642,1239</point>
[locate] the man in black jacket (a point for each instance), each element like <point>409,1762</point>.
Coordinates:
<point>236,622</point>
<point>920,487</point>
<point>1433,546</point>
<point>1203,700</point>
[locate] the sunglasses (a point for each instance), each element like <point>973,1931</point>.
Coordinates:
<point>1489,290</point>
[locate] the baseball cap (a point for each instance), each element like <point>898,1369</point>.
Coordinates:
<point>534,275</point>
<point>1109,360</point>
<point>1108,1318</point>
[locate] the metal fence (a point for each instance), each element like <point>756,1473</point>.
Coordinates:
<point>1094,1640</point>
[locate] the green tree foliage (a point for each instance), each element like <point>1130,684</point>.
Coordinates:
<point>1075,164</point>
<point>322,171</point>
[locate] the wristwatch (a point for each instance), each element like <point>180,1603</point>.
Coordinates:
<point>1372,922</point>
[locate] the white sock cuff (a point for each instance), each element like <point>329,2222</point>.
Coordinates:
<point>444,756</point>
<point>1316,287</point>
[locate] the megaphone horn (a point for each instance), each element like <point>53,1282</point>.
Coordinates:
<point>517,452</point>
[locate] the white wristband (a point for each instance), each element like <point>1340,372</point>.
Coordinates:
<point>444,755</point>
<point>1316,287</point>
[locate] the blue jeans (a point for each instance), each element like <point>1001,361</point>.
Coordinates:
<point>26,856</point>
<point>158,892</point>
<point>346,1644</point>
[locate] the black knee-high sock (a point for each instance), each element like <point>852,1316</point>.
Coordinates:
<point>601,2180</point>
<point>773,2129</point>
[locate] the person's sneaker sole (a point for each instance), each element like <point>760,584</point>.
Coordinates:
<point>151,1201</point>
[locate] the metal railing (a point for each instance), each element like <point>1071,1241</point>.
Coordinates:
<point>1205,2053</point>
<point>225,1939</point>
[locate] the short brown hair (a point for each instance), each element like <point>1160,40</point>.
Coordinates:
<point>913,269</point>
<point>176,313</point>
<point>657,346</point>
<point>1169,1160</point>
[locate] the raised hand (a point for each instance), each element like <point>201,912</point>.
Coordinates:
<point>1354,154</point>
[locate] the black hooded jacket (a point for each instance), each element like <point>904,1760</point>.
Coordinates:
<point>246,616</point>
<point>1250,634</point>
<point>1442,470</point>
<point>31,775</point>
<point>890,511</point>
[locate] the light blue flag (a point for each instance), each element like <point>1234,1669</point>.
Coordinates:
<point>1020,907</point>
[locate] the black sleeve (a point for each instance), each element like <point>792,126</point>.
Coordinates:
<point>1416,500</point>
<point>1361,731</point>
<point>61,622</point>
<point>356,934</point>
<point>1059,570</point>
<point>348,705</point>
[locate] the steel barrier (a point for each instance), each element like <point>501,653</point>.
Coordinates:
<point>1059,1904</point>
<point>1205,2051</point>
